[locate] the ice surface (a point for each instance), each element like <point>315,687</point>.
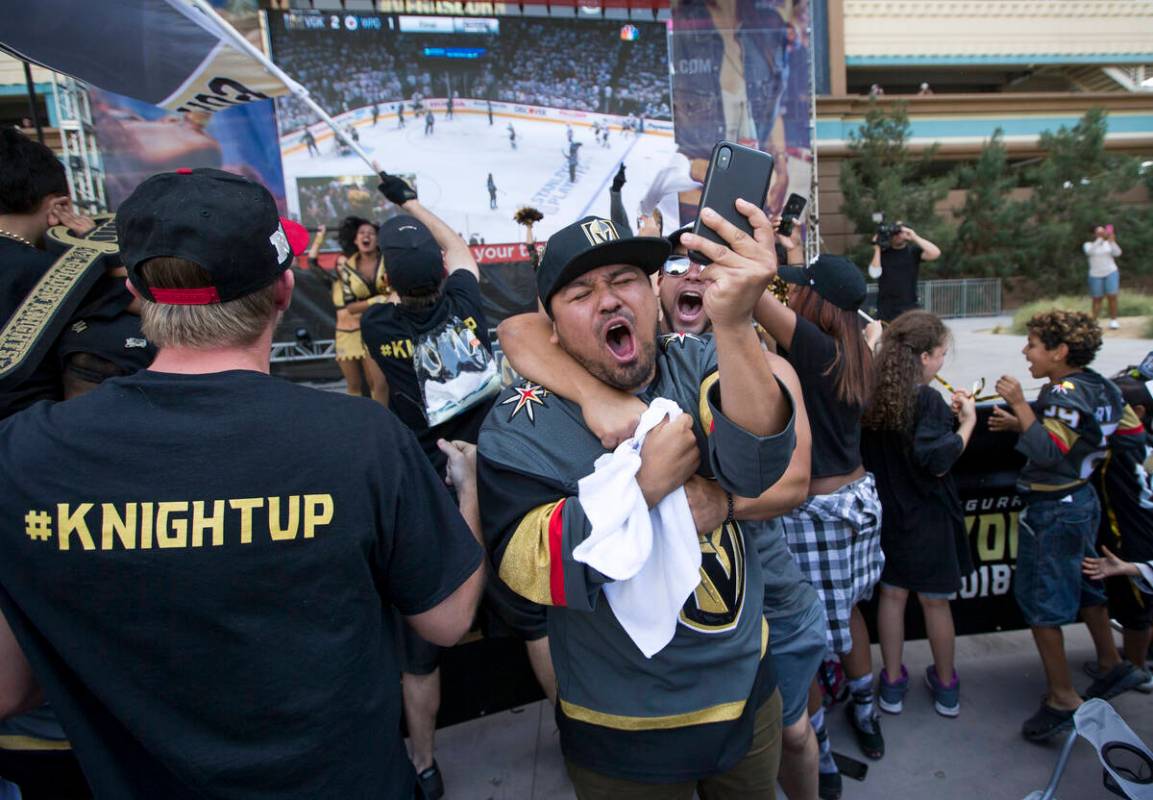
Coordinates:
<point>452,164</point>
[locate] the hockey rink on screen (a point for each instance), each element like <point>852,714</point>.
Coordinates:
<point>451,165</point>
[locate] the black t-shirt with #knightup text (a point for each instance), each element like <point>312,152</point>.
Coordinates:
<point>199,569</point>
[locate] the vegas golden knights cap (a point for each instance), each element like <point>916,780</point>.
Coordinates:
<point>590,243</point>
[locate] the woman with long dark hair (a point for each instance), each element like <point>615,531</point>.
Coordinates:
<point>359,282</point>
<point>835,533</point>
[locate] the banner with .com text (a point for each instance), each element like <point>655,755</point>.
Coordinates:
<point>741,71</point>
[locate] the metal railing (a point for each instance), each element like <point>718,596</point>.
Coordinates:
<point>287,352</point>
<point>961,297</point>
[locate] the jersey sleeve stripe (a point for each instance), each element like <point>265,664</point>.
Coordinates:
<point>1061,434</point>
<point>556,554</point>
<point>526,566</point>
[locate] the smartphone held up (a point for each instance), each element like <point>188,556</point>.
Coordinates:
<point>735,172</point>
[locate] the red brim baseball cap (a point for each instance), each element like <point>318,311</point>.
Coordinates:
<point>223,222</point>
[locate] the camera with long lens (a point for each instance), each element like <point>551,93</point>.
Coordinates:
<point>885,232</point>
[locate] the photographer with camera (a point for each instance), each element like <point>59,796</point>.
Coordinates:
<point>897,255</point>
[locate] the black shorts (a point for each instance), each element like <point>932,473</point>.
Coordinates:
<point>45,774</point>
<point>1125,531</point>
<point>506,613</point>
<point>1128,604</point>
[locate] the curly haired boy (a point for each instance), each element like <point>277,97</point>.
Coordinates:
<point>1064,436</point>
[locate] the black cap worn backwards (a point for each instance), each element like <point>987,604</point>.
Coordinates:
<point>411,255</point>
<point>835,278</point>
<point>227,224</point>
<point>588,244</point>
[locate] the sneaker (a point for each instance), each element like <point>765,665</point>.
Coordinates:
<point>868,734</point>
<point>829,786</point>
<point>1047,723</point>
<point>1114,324</point>
<point>1092,669</point>
<point>891,696</point>
<point>431,783</point>
<point>946,699</point>
<point>1146,684</point>
<point>1121,678</point>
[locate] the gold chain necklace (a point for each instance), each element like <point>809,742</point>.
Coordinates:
<point>15,237</point>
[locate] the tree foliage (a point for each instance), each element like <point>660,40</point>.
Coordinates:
<point>882,176</point>
<point>988,238</point>
<point>1000,231</point>
<point>1075,187</point>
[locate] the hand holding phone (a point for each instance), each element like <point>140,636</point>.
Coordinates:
<point>794,207</point>
<point>741,264</point>
<point>735,172</point>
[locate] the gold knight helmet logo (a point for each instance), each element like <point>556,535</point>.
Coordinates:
<point>599,231</point>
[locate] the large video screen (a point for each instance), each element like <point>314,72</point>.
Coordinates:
<point>543,111</point>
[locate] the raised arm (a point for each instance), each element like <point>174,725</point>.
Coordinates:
<point>317,241</point>
<point>738,275</point>
<point>616,205</point>
<point>793,487</point>
<point>752,436</point>
<point>929,251</point>
<point>457,253</point>
<point>776,318</point>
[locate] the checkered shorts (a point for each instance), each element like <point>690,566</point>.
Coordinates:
<point>836,541</point>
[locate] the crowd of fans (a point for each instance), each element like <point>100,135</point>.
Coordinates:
<point>689,664</point>
<point>581,66</point>
<point>326,201</point>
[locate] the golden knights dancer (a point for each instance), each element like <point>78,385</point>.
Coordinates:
<point>361,281</point>
<point>703,711</point>
<point>207,608</point>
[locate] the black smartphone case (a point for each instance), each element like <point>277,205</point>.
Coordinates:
<point>794,207</point>
<point>747,177</point>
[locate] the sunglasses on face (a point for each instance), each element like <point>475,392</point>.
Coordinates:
<point>675,266</point>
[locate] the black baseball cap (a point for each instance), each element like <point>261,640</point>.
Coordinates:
<point>675,237</point>
<point>590,243</point>
<point>227,224</point>
<point>835,278</point>
<point>411,255</point>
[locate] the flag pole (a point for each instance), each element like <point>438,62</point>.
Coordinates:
<point>237,39</point>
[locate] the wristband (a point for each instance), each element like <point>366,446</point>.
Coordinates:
<point>730,519</point>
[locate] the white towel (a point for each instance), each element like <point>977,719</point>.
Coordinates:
<point>653,557</point>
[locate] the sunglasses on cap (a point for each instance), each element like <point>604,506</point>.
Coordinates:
<point>675,266</point>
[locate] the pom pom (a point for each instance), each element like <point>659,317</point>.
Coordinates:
<point>527,216</point>
<point>780,289</point>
